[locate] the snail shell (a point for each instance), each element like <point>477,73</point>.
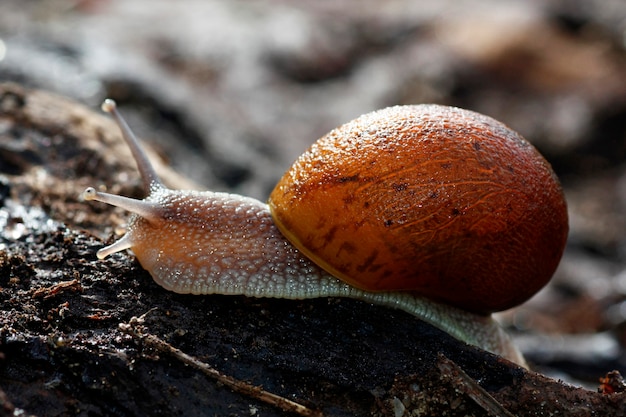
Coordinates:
<point>440,201</point>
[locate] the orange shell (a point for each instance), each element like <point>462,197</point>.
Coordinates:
<point>440,201</point>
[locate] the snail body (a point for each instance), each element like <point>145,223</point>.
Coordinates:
<point>464,180</point>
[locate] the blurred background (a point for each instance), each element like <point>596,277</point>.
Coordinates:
<point>231,92</point>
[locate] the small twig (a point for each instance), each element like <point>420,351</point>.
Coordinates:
<point>53,290</point>
<point>234,384</point>
<point>468,386</point>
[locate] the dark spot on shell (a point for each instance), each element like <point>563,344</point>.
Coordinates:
<point>388,223</point>
<point>476,146</point>
<point>330,236</point>
<point>455,212</point>
<point>351,178</point>
<point>400,187</point>
<point>434,194</point>
<point>368,264</point>
<point>348,247</point>
<point>387,273</point>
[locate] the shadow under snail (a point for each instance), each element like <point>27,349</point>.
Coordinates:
<point>439,211</point>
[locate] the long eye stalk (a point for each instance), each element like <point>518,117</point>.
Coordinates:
<point>148,175</point>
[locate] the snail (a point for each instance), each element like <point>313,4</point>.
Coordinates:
<point>438,211</point>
